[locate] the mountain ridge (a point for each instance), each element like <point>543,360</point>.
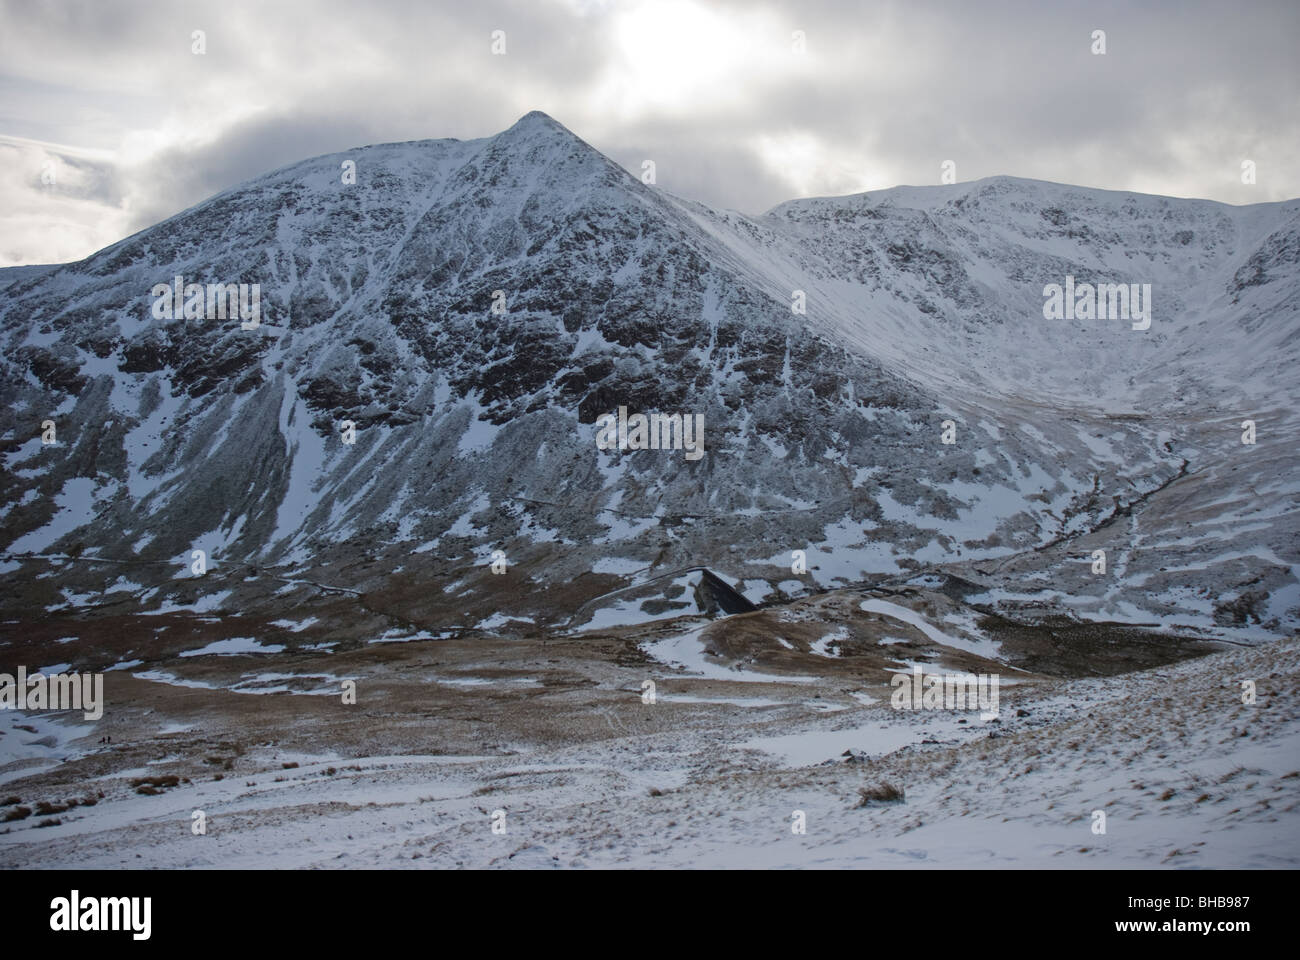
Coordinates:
<point>475,428</point>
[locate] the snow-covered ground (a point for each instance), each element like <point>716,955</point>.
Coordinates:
<point>1186,774</point>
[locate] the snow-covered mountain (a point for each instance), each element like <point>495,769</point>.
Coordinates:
<point>474,308</point>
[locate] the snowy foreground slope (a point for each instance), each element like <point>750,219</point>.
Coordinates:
<point>1185,773</point>
<point>475,429</point>
<point>907,467</point>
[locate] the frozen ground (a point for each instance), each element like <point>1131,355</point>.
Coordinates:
<point>709,775</point>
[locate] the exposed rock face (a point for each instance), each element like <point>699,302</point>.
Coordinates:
<point>715,596</point>
<point>474,307</point>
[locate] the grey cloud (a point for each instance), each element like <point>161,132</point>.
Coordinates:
<point>888,91</point>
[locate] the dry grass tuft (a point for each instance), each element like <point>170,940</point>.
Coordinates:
<point>880,793</point>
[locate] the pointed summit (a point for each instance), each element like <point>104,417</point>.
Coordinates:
<point>542,143</point>
<point>536,125</point>
<point>536,118</point>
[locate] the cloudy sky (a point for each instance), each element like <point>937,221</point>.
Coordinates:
<point>108,100</point>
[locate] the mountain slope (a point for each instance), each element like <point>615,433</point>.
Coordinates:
<point>474,308</point>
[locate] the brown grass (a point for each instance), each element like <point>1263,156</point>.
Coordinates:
<point>880,793</point>
<point>151,786</point>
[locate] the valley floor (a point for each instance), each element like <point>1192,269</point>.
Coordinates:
<point>580,772</point>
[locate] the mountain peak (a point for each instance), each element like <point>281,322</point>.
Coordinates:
<point>537,129</point>
<point>533,117</point>
<point>535,122</point>
<point>539,141</point>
